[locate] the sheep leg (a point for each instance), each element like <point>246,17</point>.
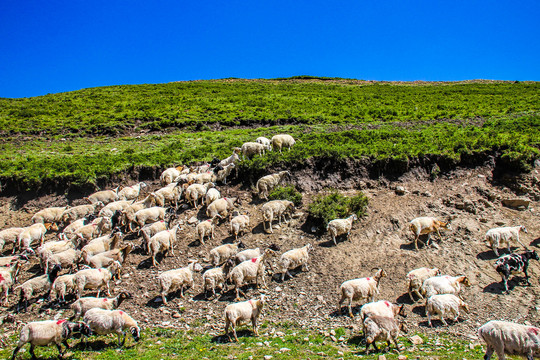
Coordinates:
<point>526,275</point>
<point>164,299</point>
<point>60,352</point>
<point>411,295</point>
<point>505,282</point>
<point>16,351</point>
<point>350,308</point>
<point>289,274</point>
<point>416,242</point>
<point>442,319</point>
<point>429,318</point>
<point>227,323</point>
<point>254,324</point>
<point>334,239</point>
<point>495,250</point>
<point>234,332</point>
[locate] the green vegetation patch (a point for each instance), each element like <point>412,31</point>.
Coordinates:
<point>286,193</point>
<point>327,207</point>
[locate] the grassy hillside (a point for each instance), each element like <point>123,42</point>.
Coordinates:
<point>86,135</point>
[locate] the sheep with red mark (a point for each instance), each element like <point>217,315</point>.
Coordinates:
<point>359,289</point>
<point>293,259</point>
<point>221,207</point>
<point>149,215</point>
<point>172,280</point>
<point>8,277</point>
<point>503,235</point>
<point>103,322</point>
<point>504,337</point>
<point>222,253</point>
<point>212,195</point>
<point>250,271</point>
<point>426,225</point>
<point>238,313</point>
<point>381,308</point>
<point>82,305</point>
<point>445,305</point>
<point>101,244</point>
<point>196,192</point>
<point>444,284</point>
<point>415,279</point>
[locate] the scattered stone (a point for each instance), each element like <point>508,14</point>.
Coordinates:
<point>518,204</point>
<point>277,289</point>
<point>284,349</point>
<point>416,340</point>
<point>381,357</point>
<point>267,357</point>
<point>400,190</point>
<point>402,357</point>
<point>192,220</point>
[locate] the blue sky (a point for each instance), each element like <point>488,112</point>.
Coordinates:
<point>55,46</point>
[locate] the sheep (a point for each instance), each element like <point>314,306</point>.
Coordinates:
<point>222,175</point>
<point>104,322</point>
<point>175,279</point>
<point>54,247</point>
<point>239,223</point>
<point>150,230</point>
<point>222,253</point>
<point>363,288</point>
<point>104,196</point>
<point>249,271</point>
<point>101,244</point>
<point>168,175</point>
<point>132,192</point>
<point>275,208</point>
<point>106,258</point>
<point>504,337</point>
<point>221,207</point>
<point>78,212</point>
<point>205,177</point>
<point>381,328</point>
<point>381,308</point>
<point>66,259</point>
<point>339,227</point>
<point>82,305</point>
<point>10,236</point>
<point>415,279</point>
<point>249,149</point>
<point>30,234</point>
<point>92,230</point>
<point>498,236</point>
<point>444,284</point>
<point>264,141</point>
<point>206,228</point>
<point>513,263</point>
<point>110,208</point>
<point>96,278</point>
<point>169,195</point>
<point>215,277</point>
<point>49,215</point>
<point>293,259</point>
<point>238,313</point>
<point>249,254</point>
<point>426,225</point>
<point>443,305</point>
<point>148,215</point>
<point>69,232</point>
<point>62,285</point>
<point>44,333</point>
<point>233,159</point>
<point>10,260</point>
<point>194,192</point>
<point>267,183</point>
<point>163,241</point>
<point>281,140</point>
<point>7,279</point>
<point>212,195</point>
<point>36,285</point>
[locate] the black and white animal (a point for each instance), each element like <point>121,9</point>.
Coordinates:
<point>514,263</point>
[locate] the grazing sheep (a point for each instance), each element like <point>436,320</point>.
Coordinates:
<point>249,149</point>
<point>444,305</point>
<point>221,207</point>
<point>69,232</point>
<point>264,141</point>
<point>7,279</point>
<point>249,271</point>
<point>444,284</point>
<point>10,236</point>
<point>49,215</point>
<point>514,263</point>
<point>416,278</point>
<point>267,183</point>
<point>148,215</point>
<point>35,285</point>
<point>215,277</point>
<point>103,322</point>
<point>206,228</point>
<point>381,308</point>
<point>426,225</point>
<point>150,230</point>
<point>381,328</point>
<point>163,242</point>
<point>363,288</point>
<point>222,253</point>
<point>106,258</point>
<point>168,175</point>
<point>104,196</point>
<point>96,278</point>
<point>47,332</point>
<point>205,177</point>
<point>504,337</point>
<point>172,280</point>
<point>88,232</point>
<point>293,259</point>
<point>67,259</point>
<point>132,192</point>
<point>276,209</point>
<point>61,286</point>
<point>31,234</point>
<point>111,208</point>
<point>239,223</point>
<point>499,236</point>
<point>241,312</point>
<point>282,140</point>
<point>194,192</point>
<point>222,174</point>
<point>101,244</point>
<point>233,159</point>
<point>169,195</point>
<point>212,195</point>
<point>78,212</point>
<point>82,305</point>
<point>249,254</point>
<point>339,227</point>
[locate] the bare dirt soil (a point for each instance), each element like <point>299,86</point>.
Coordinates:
<point>467,197</point>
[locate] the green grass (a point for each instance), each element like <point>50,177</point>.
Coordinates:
<point>159,343</point>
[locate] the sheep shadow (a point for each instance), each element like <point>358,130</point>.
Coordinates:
<point>437,323</point>
<point>329,243</point>
<point>422,243</point>
<point>356,340</point>
<point>155,302</point>
<point>498,287</point>
<point>486,255</point>
<point>405,299</point>
<point>259,229</point>
<point>419,310</point>
<point>535,242</point>
<point>194,243</point>
<point>224,339</point>
<point>147,263</point>
<point>345,311</point>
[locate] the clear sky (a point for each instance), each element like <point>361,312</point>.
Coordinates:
<point>55,46</point>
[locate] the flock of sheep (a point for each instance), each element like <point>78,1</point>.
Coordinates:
<point>91,247</point>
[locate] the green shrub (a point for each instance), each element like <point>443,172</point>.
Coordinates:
<point>286,193</point>
<point>325,208</point>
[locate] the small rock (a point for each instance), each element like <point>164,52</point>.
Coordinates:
<point>333,332</point>
<point>267,357</point>
<point>313,229</point>
<point>277,289</point>
<point>284,349</point>
<point>381,357</point>
<point>192,220</point>
<point>416,340</point>
<point>518,204</point>
<point>176,315</point>
<point>333,338</point>
<point>402,357</point>
<point>400,190</point>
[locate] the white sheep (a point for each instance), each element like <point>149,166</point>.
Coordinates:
<point>380,328</point>
<point>49,215</point>
<point>103,322</point>
<point>196,192</point>
<point>264,141</point>
<point>215,277</point>
<point>276,209</point>
<point>8,277</point>
<point>241,312</point>
<point>233,159</point>
<point>10,260</point>
<point>239,223</point>
<point>111,208</point>
<point>53,247</point>
<point>78,212</point>
<point>339,227</point>
<point>67,259</point>
<point>132,192</point>
<point>267,183</point>
<point>168,175</point>
<point>30,234</point>
<point>426,225</point>
<point>88,232</point>
<point>294,258</point>
<point>221,207</point>
<point>444,284</point>
<point>106,258</point>
<point>63,285</point>
<point>415,279</point>
<point>10,236</point>
<point>47,332</point>
<point>163,242</point>
<point>169,195</point>
<point>212,195</point>
<point>444,305</point>
<point>381,308</point>
<point>35,285</point>
<point>205,177</point>
<point>249,271</point>
<point>222,253</point>
<point>96,278</point>
<point>150,230</point>
<point>172,280</point>
<point>504,337</point>
<point>101,244</point>
<point>222,174</point>
<point>249,254</point>
<point>206,228</point>
<point>249,149</point>
<point>82,305</point>
<point>148,215</point>
<point>104,196</point>
<point>499,236</point>
<point>363,288</point>
<point>282,140</point>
